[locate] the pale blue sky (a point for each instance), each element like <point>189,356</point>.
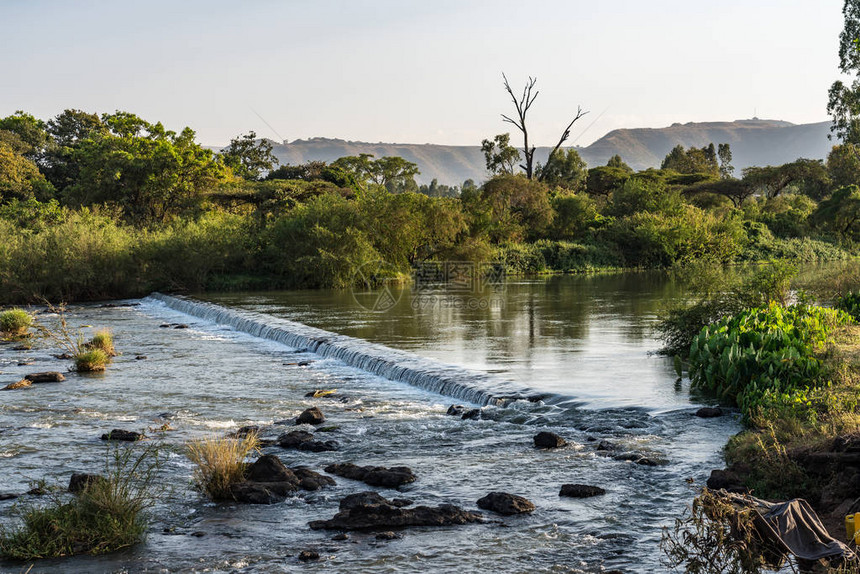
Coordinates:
<point>418,72</point>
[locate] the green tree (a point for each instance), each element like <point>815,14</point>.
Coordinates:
<point>844,101</point>
<point>724,152</point>
<point>843,165</point>
<point>616,162</point>
<point>512,208</point>
<point>66,132</point>
<point>770,181</point>
<point>693,160</point>
<point>841,212</point>
<point>148,171</point>
<point>20,177</point>
<point>499,155</point>
<point>31,131</point>
<point>564,169</point>
<point>602,180</point>
<point>249,157</point>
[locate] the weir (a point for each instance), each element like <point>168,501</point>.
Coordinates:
<point>448,380</point>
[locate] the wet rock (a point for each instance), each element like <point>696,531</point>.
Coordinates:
<point>140,357</point>
<point>23,383</point>
<point>472,415</point>
<point>261,492</point>
<point>269,468</point>
<point>580,490</point>
<point>548,440</point>
<point>504,503</point>
<point>388,535</point>
<point>605,445</point>
<point>198,534</point>
<point>709,412</point>
<point>122,435</point>
<point>81,481</point>
<point>317,393</point>
<point>370,511</point>
<point>46,377</point>
<point>294,438</point>
<point>456,410</point>
<point>319,446</point>
<point>340,537</point>
<point>8,496</point>
<point>180,326</point>
<point>310,480</point>
<point>374,475</point>
<point>637,458</point>
<point>727,480</point>
<point>164,326</point>
<point>309,555</point>
<point>303,440</point>
<point>311,416</point>
<point>64,357</point>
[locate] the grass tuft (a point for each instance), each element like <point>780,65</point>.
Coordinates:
<point>220,463</point>
<point>103,340</point>
<point>91,361</point>
<point>107,516</point>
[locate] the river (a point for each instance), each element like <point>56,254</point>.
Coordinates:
<point>580,347</point>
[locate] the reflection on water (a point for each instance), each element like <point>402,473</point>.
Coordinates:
<point>589,337</point>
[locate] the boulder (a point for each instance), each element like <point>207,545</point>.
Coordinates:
<point>310,480</point>
<point>244,431</point>
<point>388,535</point>
<point>46,377</point>
<point>122,435</point>
<point>504,503</point>
<point>727,480</point>
<point>269,468</point>
<point>294,438</point>
<point>709,412</point>
<point>546,439</point>
<point>456,410</point>
<point>472,415</point>
<point>8,496</point>
<point>261,492</point>
<point>311,416</point>
<point>370,511</point>
<point>374,475</point>
<point>580,490</point>
<point>23,383</point>
<point>319,446</point>
<point>81,481</point>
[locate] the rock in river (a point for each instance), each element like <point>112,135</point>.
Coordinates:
<point>123,435</point>
<point>504,503</point>
<point>374,475</point>
<point>548,440</point>
<point>46,377</point>
<point>370,511</point>
<point>709,412</point>
<point>303,440</point>
<point>311,416</point>
<point>580,490</point>
<point>81,481</point>
<point>267,481</point>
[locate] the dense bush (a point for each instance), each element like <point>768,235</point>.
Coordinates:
<point>763,354</point>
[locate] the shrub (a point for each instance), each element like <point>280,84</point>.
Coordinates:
<point>107,515</point>
<point>15,322</point>
<point>850,303</point>
<point>762,354</point>
<point>90,361</point>
<point>220,463</point>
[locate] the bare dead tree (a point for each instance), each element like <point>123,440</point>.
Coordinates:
<point>522,105</point>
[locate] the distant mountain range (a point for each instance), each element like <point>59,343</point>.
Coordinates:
<point>754,142</point>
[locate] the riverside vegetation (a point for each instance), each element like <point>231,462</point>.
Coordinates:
<point>95,207</point>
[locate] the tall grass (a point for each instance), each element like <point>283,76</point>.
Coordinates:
<point>106,516</point>
<point>220,463</point>
<point>103,341</point>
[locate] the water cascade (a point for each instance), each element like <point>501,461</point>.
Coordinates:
<point>448,380</point>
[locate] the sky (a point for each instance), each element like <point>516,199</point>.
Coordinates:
<point>419,71</point>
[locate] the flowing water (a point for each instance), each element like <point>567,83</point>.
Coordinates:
<point>568,354</point>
